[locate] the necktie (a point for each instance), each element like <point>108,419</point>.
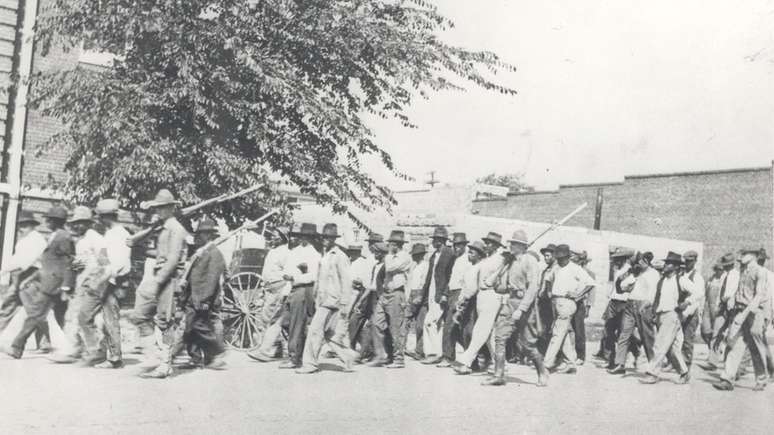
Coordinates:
<point>723,287</point>
<point>657,299</point>
<point>430,270</point>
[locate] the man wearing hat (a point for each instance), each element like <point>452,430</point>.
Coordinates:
<point>582,311</point>
<point>436,295</point>
<point>360,327</point>
<point>300,272</point>
<point>638,313</point>
<point>669,335</point>
<point>620,259</point>
<point>42,291</point>
<point>93,267</point>
<point>689,308</point>
<point>545,310</point>
<point>486,304</point>
<point>454,333</point>
<point>389,313</point>
<point>119,258</point>
<point>154,298</point>
<point>749,314</point>
<point>717,308</point>
<point>711,303</point>
<point>23,264</point>
<point>762,257</point>
<point>333,289</point>
<point>517,284</point>
<point>568,284</point>
<point>416,282</point>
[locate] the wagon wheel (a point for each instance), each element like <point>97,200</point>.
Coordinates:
<point>241,312</point>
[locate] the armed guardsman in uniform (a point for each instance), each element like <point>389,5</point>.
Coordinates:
<point>153,305</point>
<point>197,307</point>
<point>519,285</point>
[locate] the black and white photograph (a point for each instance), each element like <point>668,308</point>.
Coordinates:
<point>386,217</point>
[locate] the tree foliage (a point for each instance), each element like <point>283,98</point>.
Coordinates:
<point>514,182</point>
<point>208,96</point>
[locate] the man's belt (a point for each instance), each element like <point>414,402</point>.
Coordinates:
<point>561,297</point>
<point>387,291</point>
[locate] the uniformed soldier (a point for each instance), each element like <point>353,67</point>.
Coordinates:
<point>154,300</point>
<point>518,284</point>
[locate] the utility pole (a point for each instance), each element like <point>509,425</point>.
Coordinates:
<point>598,210</point>
<point>432,181</point>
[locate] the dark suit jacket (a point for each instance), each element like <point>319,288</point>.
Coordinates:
<point>205,277</point>
<point>56,264</point>
<point>444,262</point>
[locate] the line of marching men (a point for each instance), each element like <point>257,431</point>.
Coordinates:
<point>659,306</point>
<point>78,272</point>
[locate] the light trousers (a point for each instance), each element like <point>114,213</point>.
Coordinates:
<point>562,336</point>
<point>322,330</point>
<point>487,306</point>
<point>669,340</point>
<point>752,337</point>
<point>433,330</point>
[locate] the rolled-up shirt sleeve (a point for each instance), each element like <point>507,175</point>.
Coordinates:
<point>28,252</point>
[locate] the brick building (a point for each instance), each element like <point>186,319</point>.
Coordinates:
<point>725,210</point>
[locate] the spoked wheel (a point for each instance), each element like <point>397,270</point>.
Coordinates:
<point>241,313</point>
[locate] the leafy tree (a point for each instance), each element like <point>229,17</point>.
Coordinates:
<point>210,96</point>
<point>514,182</point>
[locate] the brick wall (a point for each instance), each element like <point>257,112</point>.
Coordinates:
<point>725,210</point>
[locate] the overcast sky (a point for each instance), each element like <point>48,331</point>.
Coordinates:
<point>606,88</point>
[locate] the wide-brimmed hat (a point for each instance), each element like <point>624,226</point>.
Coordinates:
<point>519,236</point>
<point>418,248</point>
<point>562,251</point>
<point>375,238</point>
<point>754,251</point>
<point>26,217</point>
<point>727,259</point>
<point>164,197</point>
<point>673,258</point>
<point>305,229</point>
<point>548,248</point>
<point>458,238</point>
<point>478,246</point>
<point>658,264</point>
<point>717,266</point>
<point>81,214</point>
<point>494,238</point>
<point>397,236</point>
<point>762,254</point>
<point>440,233</point>
<point>107,206</point>
<point>56,212</point>
<point>207,225</point>
<point>582,257</point>
<point>621,253</point>
<point>380,247</point>
<point>691,255</point>
<point>647,257</point>
<point>330,231</point>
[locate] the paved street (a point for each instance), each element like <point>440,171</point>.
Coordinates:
<point>250,398</point>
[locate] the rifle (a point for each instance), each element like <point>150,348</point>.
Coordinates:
<point>187,211</point>
<point>245,226</point>
<point>556,225</point>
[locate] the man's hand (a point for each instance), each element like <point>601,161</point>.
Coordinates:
<point>516,316</point>
<point>457,317</point>
<point>683,306</point>
<point>78,265</point>
<point>444,301</point>
<point>287,277</point>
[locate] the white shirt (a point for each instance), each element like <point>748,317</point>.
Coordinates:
<point>274,263</point>
<point>644,285</point>
<point>91,249</point>
<point>614,294</point>
<point>670,293</point>
<point>696,299</point>
<point>418,275</point>
<point>570,280</point>
<point>28,251</point>
<point>360,270</point>
<point>305,255</point>
<point>732,285</point>
<point>471,281</point>
<point>460,268</point>
<point>118,252</point>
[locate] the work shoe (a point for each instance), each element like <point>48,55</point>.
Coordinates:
<point>708,367</point>
<point>61,358</point>
<point>493,382</point>
<point>307,370</point>
<point>649,379</point>
<point>377,363</point>
<point>444,364</point>
<point>216,364</point>
<point>11,352</point>
<point>462,369</point>
<point>432,360</point>
<point>559,368</point>
<point>723,385</point>
<point>617,370</point>
<point>759,386</point>
<point>287,365</point>
<point>157,373</point>
<point>567,370</point>
<point>580,362</point>
<point>110,365</point>
<point>414,355</point>
<point>684,379</point>
<point>395,365</point>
